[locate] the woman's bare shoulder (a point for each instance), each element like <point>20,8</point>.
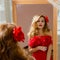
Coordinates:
<point>49,33</point>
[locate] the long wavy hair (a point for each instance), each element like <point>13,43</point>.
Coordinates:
<point>9,50</point>
<point>34,30</point>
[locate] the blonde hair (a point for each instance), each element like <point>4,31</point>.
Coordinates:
<point>34,30</point>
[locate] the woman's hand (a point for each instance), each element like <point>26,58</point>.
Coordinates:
<point>43,48</point>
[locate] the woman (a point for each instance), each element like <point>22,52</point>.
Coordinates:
<point>40,40</point>
<point>10,35</point>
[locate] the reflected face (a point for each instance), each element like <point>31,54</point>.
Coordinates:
<point>41,23</point>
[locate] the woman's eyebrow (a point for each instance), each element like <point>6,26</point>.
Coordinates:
<point>38,20</point>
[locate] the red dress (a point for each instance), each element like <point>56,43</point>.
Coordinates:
<point>40,41</point>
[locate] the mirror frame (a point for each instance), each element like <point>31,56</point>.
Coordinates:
<point>15,2</point>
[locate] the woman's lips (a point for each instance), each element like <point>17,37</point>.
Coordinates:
<point>40,25</point>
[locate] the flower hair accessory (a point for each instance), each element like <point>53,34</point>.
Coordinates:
<point>46,18</point>
<point>18,35</point>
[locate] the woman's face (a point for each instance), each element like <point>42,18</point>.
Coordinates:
<point>41,23</point>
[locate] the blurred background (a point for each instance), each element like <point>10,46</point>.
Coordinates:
<point>6,17</point>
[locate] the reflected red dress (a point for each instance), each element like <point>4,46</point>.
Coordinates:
<point>40,41</point>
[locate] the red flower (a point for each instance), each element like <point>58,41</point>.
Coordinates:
<point>18,35</point>
<point>46,18</point>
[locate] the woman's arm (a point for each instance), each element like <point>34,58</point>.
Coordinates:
<point>43,48</point>
<point>49,52</point>
<point>31,50</point>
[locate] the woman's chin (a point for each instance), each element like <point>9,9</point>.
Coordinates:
<point>40,27</point>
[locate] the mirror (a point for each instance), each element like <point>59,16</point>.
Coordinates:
<point>23,12</point>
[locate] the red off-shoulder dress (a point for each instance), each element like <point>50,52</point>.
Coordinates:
<point>40,41</point>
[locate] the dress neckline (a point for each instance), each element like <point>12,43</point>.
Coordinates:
<point>43,35</point>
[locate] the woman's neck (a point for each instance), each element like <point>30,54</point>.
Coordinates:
<point>41,32</point>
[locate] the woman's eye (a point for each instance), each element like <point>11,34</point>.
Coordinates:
<point>42,21</point>
<point>38,21</point>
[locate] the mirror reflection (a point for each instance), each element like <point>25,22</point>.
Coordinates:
<point>36,21</point>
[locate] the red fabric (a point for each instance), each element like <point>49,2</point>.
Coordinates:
<point>40,41</point>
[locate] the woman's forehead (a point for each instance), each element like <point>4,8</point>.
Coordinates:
<point>41,18</point>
